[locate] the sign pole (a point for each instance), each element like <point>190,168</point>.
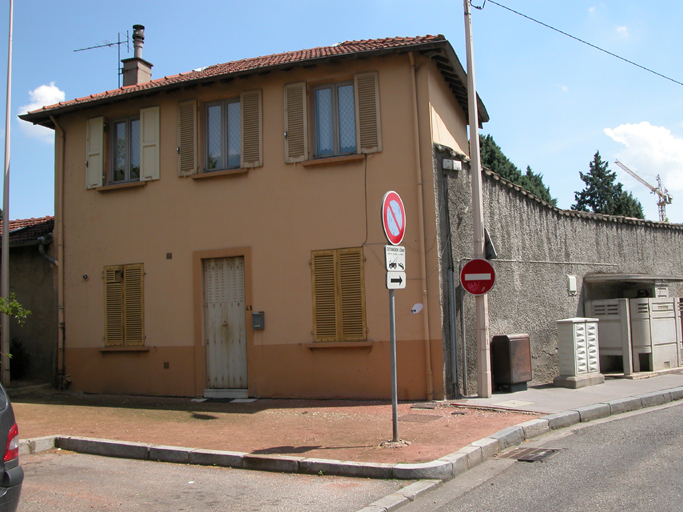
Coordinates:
<point>394,224</point>
<point>484,384</point>
<point>394,386</point>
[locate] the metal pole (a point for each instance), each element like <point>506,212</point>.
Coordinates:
<point>4,266</point>
<point>394,387</point>
<point>484,385</point>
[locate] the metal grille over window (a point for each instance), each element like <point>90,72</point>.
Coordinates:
<point>347,119</point>
<point>339,295</point>
<point>335,120</point>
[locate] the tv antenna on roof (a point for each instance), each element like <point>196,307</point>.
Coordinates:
<point>118,44</point>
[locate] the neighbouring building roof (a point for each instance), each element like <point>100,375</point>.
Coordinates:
<point>28,231</point>
<point>436,47</point>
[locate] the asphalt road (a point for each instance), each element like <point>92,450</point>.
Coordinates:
<point>65,481</point>
<point>633,463</point>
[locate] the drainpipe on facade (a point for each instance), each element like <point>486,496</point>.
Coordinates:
<point>43,242</point>
<point>421,227</point>
<point>59,228</point>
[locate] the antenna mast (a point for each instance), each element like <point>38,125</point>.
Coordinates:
<point>107,44</point>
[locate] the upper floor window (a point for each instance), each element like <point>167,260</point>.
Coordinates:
<point>132,154</point>
<point>223,135</point>
<point>345,115</point>
<point>125,150</point>
<point>335,120</point>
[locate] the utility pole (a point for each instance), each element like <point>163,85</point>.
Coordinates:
<point>4,267</point>
<point>484,384</point>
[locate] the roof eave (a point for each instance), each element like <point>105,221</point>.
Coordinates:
<point>44,117</point>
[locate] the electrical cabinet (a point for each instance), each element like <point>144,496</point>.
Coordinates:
<point>577,343</point>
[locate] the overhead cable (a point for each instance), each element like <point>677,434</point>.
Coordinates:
<point>578,39</point>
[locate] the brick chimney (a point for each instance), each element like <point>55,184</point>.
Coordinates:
<point>136,70</point>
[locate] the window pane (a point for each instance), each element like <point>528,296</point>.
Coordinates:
<point>119,149</point>
<point>234,140</point>
<point>134,149</point>
<point>347,119</point>
<point>213,137</point>
<point>323,121</point>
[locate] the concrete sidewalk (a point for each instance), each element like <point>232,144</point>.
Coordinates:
<point>565,407</point>
<point>549,399</point>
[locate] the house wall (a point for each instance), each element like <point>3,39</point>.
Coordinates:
<point>538,246</point>
<point>275,216</point>
<point>32,281</point>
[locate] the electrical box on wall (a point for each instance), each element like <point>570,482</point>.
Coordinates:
<point>451,165</point>
<point>571,285</point>
<point>258,320</point>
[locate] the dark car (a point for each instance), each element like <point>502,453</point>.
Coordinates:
<point>11,474</point>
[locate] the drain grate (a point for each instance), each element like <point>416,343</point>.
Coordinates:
<point>531,454</point>
<point>419,418</point>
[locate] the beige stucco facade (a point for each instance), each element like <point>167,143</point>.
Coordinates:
<point>273,216</point>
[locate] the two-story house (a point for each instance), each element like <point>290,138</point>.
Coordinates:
<point>218,231</point>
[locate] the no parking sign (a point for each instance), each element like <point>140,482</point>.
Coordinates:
<point>393,217</point>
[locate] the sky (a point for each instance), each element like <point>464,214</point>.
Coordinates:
<point>553,101</point>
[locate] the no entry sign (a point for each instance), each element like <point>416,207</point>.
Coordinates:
<point>393,217</point>
<point>477,277</point>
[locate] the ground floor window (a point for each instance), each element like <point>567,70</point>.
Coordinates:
<point>124,305</point>
<point>338,295</point>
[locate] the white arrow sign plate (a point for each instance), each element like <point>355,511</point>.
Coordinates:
<point>396,280</point>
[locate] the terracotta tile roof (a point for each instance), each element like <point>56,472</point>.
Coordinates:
<point>347,48</point>
<point>28,230</point>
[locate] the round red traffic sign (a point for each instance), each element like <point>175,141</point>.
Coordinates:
<point>477,277</point>
<point>393,217</point>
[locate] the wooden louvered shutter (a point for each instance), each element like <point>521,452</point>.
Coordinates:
<point>351,296</point>
<point>113,306</point>
<point>338,295</point>
<point>149,144</point>
<point>133,304</point>
<point>369,133</point>
<point>94,154</point>
<point>296,116</point>
<point>324,296</point>
<point>252,152</point>
<point>187,138</point>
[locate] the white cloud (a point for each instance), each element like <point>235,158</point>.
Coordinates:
<point>623,31</point>
<point>563,88</point>
<point>650,151</point>
<point>41,96</point>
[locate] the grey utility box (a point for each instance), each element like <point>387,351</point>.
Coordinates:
<point>579,353</point>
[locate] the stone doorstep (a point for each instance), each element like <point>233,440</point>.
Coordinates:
<point>442,469</point>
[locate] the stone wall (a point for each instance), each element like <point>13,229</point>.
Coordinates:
<point>32,280</point>
<point>538,247</point>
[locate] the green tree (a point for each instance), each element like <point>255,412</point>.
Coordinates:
<point>604,194</point>
<point>493,158</point>
<point>11,307</point>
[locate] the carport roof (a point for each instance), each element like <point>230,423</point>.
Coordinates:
<point>636,278</point>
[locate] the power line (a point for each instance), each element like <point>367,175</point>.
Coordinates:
<point>577,39</point>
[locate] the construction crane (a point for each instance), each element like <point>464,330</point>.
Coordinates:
<point>663,195</point>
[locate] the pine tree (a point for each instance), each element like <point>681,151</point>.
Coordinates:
<point>493,158</point>
<point>604,194</point>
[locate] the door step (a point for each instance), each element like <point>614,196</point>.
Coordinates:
<point>226,393</point>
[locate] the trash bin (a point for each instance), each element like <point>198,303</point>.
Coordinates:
<point>510,362</point>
